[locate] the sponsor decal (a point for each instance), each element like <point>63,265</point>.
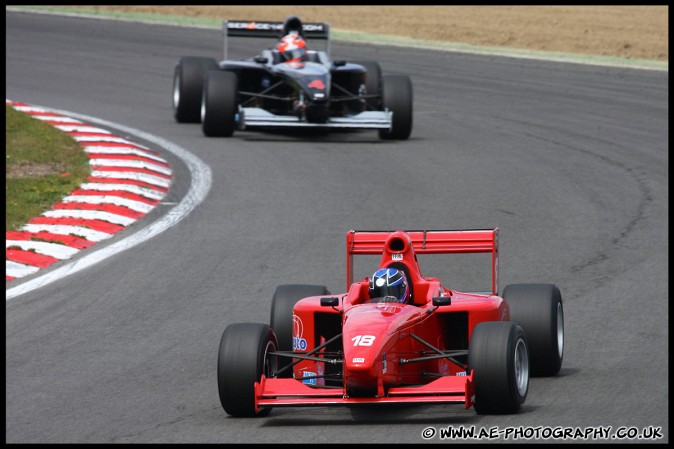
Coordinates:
<point>299,342</point>
<point>383,364</point>
<point>313,27</point>
<point>358,360</point>
<point>396,256</point>
<point>461,373</point>
<point>309,381</point>
<point>317,84</point>
<point>264,26</point>
<point>273,26</point>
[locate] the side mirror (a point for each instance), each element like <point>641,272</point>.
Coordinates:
<point>442,301</point>
<point>339,63</point>
<point>329,302</point>
<point>261,60</point>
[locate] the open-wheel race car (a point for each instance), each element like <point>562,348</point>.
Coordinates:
<point>289,86</point>
<point>375,345</point>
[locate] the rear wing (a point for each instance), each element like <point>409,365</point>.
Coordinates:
<point>427,242</point>
<point>251,28</point>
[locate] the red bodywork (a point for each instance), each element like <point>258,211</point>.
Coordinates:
<point>389,352</point>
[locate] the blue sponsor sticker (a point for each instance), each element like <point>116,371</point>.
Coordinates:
<point>299,343</point>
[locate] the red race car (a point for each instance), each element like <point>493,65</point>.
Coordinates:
<point>396,337</point>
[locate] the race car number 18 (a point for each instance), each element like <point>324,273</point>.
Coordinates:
<point>363,340</point>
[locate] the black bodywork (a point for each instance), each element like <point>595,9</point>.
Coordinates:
<point>266,92</point>
<point>314,90</point>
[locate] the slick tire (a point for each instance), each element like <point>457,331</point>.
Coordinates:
<point>396,95</point>
<point>285,298</point>
<point>243,356</point>
<point>538,309</point>
<point>497,354</point>
<point>219,104</point>
<point>188,84</point>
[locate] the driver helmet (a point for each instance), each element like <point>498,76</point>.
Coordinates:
<point>292,48</point>
<point>389,282</point>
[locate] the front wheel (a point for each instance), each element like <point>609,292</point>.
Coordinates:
<point>498,356</point>
<point>219,104</point>
<point>396,93</point>
<point>243,357</point>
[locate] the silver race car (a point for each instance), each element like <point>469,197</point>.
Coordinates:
<point>289,85</point>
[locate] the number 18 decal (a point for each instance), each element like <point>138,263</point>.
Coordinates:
<point>363,340</point>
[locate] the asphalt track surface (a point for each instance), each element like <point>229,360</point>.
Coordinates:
<point>569,161</point>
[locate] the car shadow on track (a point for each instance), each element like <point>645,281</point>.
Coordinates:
<point>363,415</point>
<point>313,136</point>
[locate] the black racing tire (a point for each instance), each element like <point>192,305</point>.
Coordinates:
<point>538,309</point>
<point>219,104</point>
<point>285,298</point>
<point>372,84</point>
<point>243,357</point>
<point>396,95</point>
<point>497,354</point>
<point>188,84</point>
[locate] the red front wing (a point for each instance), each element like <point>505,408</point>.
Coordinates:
<point>290,392</point>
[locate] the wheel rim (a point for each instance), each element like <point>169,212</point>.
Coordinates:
<point>270,362</point>
<point>176,91</point>
<point>521,367</point>
<point>560,330</point>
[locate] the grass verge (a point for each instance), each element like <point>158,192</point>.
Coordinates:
<point>43,165</point>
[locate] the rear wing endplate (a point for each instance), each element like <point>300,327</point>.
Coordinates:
<point>251,28</point>
<point>427,242</point>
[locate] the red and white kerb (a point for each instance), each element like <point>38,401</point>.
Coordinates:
<point>127,181</point>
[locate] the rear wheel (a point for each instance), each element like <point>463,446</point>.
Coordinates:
<point>538,309</point>
<point>188,84</point>
<point>396,92</point>
<point>499,359</point>
<point>285,298</point>
<point>219,104</point>
<point>243,356</point>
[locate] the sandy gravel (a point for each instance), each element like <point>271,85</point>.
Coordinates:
<point>623,31</point>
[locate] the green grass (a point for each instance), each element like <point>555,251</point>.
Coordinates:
<point>43,164</point>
